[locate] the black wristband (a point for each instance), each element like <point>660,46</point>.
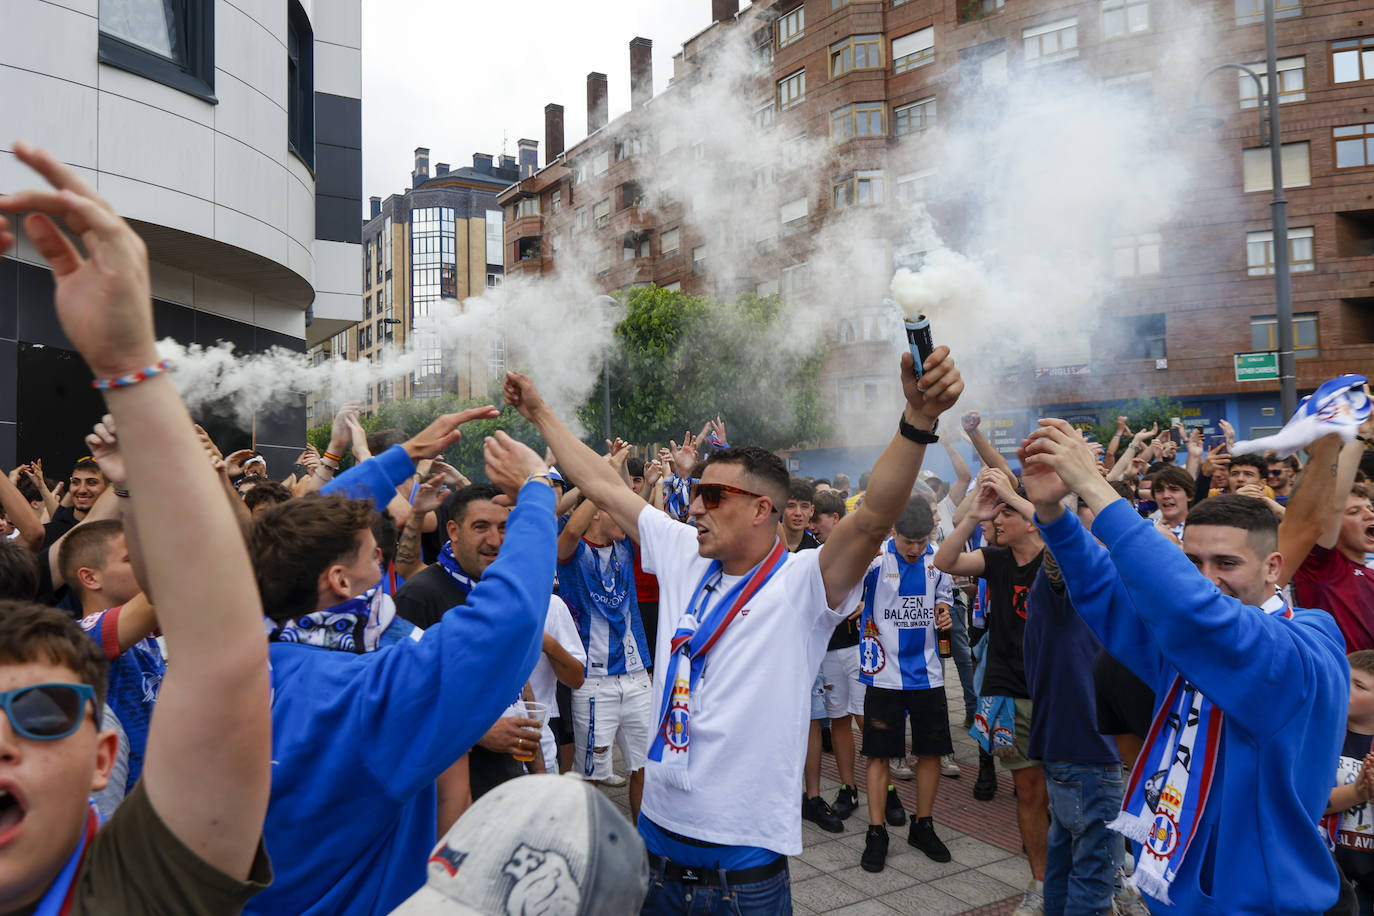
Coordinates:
<point>919,436</point>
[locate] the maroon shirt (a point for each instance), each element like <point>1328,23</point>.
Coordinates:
<point>1328,580</point>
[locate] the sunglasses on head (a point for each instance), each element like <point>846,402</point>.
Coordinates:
<point>47,712</point>
<point>711,493</point>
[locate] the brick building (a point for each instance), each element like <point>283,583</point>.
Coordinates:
<point>873,77</point>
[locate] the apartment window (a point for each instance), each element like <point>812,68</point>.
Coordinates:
<point>914,50</point>
<point>367,264</point>
<point>794,279</point>
<point>857,189</point>
<point>300,84</point>
<point>601,162</point>
<point>763,56</point>
<point>340,349</point>
<point>766,288</point>
<point>765,176</point>
<point>969,10</point>
<point>633,145</point>
<point>1125,17</point>
<point>496,238</point>
<point>791,25</point>
<point>637,245</point>
<point>1297,167</point>
<point>765,116</point>
<point>791,90</point>
<point>555,201</point>
<point>580,218</point>
<point>1354,146</point>
<point>699,259</point>
<point>601,213</point>
<point>1259,251</point>
<point>1145,337</point>
<point>836,4</point>
<point>674,287</point>
<point>384,251</point>
<point>857,52</point>
<point>1248,11</point>
<point>528,206</point>
<point>168,41</point>
<point>915,118</point>
<point>794,151</point>
<point>494,281</point>
<point>1136,256</point>
<point>496,356</point>
<point>1052,41</point>
<point>367,306</point>
<point>1264,334</point>
<point>793,215</point>
<point>1352,60</point>
<point>864,393</point>
<point>862,119</point>
<point>603,261</point>
<point>670,243</point>
<point>1292,82</point>
<point>914,186</point>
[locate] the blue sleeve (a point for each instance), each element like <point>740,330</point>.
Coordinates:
<point>1100,597</point>
<point>376,478</point>
<point>424,704</point>
<point>1257,667</point>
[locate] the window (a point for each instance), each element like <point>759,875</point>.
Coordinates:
<point>384,257</point>
<point>1355,234</point>
<point>914,186</point>
<point>1259,251</point>
<point>169,41</point>
<point>765,116</point>
<point>836,4</point>
<point>670,243</point>
<point>528,249</point>
<point>496,238</point>
<point>601,162</point>
<point>601,213</point>
<point>555,201</point>
<point>794,279</point>
<point>766,288</point>
<point>793,215</point>
<point>674,287</point>
<point>633,145</point>
<point>528,206</point>
<point>791,25</point>
<point>637,245</point>
<point>699,259</point>
<point>791,90</point>
<point>300,84</point>
<point>496,356</point>
<point>1264,334</point>
<point>1297,167</point>
<point>970,10</point>
<point>1125,17</point>
<point>794,151</point>
<point>864,393</point>
<point>1292,82</point>
<point>603,261</point>
<point>911,51</point>
<point>1354,146</point>
<point>580,218</point>
<point>1053,41</point>
<point>1248,11</point>
<point>1352,60</point>
<point>763,57</point>
<point>862,119</point>
<point>858,52</point>
<point>1145,337</point>
<point>340,349</point>
<point>1136,256</point>
<point>858,189</point>
<point>367,306</point>
<point>916,118</point>
<point>367,264</point>
<point>494,281</point>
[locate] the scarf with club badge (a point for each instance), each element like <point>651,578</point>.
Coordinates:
<point>355,626</point>
<point>1172,780</point>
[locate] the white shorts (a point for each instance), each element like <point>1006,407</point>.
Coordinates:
<point>844,695</point>
<point>615,707</point>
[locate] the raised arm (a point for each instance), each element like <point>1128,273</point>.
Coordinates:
<point>572,532</point>
<point>962,475</point>
<point>21,515</point>
<point>979,506</point>
<point>990,457</point>
<point>852,545</point>
<point>218,685</point>
<point>428,497</point>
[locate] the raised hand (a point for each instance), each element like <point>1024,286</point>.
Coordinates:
<point>208,444</point>
<point>970,420</point>
<point>1145,435</point>
<point>103,443</point>
<point>685,455</point>
<point>522,395</point>
<point>1195,442</point>
<point>938,387</point>
<point>1121,428</point>
<point>1059,447</point>
<point>431,441</point>
<point>234,461</point>
<point>357,436</point>
<point>653,472</point>
<point>1228,431</point>
<point>451,476</point>
<point>429,495</point>
<point>510,462</point>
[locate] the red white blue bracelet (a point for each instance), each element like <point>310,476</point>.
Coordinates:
<point>133,378</point>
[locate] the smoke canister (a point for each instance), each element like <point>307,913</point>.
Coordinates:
<point>919,340</point>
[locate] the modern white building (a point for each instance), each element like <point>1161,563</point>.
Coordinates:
<point>230,135</point>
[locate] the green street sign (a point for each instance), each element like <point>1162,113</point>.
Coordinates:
<point>1257,367</point>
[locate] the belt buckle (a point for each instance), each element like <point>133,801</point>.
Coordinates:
<point>690,875</point>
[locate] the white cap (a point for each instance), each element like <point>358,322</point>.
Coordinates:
<point>548,844</point>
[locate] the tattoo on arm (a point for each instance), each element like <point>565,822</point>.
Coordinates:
<point>408,546</point>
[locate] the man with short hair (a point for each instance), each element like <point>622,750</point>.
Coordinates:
<point>84,486</point>
<point>1281,474</point>
<point>1172,488</point>
<point>844,693</point>
<point>796,516</point>
<point>1245,471</point>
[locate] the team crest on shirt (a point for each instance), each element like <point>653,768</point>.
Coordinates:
<point>872,658</point>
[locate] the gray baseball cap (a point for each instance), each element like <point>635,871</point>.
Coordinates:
<point>548,844</point>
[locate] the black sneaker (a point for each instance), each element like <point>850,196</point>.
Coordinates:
<point>896,814</point>
<point>986,786</point>
<point>846,802</point>
<point>875,849</point>
<point>818,811</point>
<point>923,837</point>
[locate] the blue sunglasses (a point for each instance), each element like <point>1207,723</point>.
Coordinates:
<point>47,712</point>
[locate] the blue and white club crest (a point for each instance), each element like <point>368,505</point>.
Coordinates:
<point>1163,835</point>
<point>678,728</point>
<point>872,658</point>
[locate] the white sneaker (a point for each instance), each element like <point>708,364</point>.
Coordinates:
<point>900,770</point>
<point>948,767</point>
<point>1033,904</point>
<point>614,781</point>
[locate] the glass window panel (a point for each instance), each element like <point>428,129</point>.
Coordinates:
<point>149,24</point>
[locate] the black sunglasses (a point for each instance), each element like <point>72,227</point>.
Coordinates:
<point>711,493</point>
<point>47,712</point>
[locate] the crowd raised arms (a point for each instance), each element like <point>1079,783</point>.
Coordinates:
<point>352,691</point>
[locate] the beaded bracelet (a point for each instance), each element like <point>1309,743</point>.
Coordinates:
<point>133,378</point>
<point>548,479</point>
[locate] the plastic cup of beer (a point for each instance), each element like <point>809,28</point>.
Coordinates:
<point>533,710</point>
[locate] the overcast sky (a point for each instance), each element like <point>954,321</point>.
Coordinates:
<point>463,77</point>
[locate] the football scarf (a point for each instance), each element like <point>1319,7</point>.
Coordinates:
<point>58,900</point>
<point>994,726</point>
<point>354,626</point>
<point>1338,406</point>
<point>700,628</point>
<point>609,587</point>
<point>1172,780</point>
<point>450,565</point>
<point>677,496</point>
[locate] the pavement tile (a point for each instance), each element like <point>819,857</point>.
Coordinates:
<point>974,888</point>
<point>800,870</point>
<point>829,857</point>
<point>865,908</point>
<point>974,852</point>
<point>924,900</point>
<point>824,894</point>
<point>874,884</point>
<point>1012,870</point>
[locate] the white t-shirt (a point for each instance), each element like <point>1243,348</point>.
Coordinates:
<point>946,523</point>
<point>558,624</point>
<point>751,707</point>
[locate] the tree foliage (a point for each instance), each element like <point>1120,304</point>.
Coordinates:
<point>1141,413</point>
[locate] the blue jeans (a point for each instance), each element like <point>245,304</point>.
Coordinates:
<point>1080,866</point>
<point>770,897</point>
<point>963,658</point>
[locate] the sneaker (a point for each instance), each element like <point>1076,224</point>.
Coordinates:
<point>846,802</point>
<point>986,786</point>
<point>1033,904</point>
<point>895,813</point>
<point>818,811</point>
<point>923,837</point>
<point>948,767</point>
<point>875,849</point>
<point>900,770</point>
<point>614,781</point>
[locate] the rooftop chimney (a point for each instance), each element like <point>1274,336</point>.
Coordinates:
<point>376,203</point>
<point>596,102</point>
<point>507,162</point>
<point>421,166</point>
<point>641,71</point>
<point>440,168</point>
<point>482,162</point>
<point>724,9</point>
<point>553,132</point>
<point>529,157</point>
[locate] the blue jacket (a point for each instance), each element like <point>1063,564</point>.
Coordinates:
<point>358,740</point>
<point>1282,684</point>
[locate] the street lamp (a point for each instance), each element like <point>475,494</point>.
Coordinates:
<point>609,307</point>
<point>1283,286</point>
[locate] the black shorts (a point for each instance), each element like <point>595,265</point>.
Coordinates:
<point>885,712</point>
<point>1125,703</point>
<point>562,723</point>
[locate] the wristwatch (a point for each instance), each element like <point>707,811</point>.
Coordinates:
<point>919,436</point>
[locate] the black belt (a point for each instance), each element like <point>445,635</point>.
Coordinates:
<point>695,874</point>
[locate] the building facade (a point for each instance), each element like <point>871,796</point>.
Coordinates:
<point>230,136</point>
<point>875,79</point>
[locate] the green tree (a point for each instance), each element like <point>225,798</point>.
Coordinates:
<point>1140,414</point>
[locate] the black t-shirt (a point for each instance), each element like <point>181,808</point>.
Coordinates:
<point>1125,703</point>
<point>428,595</point>
<point>1355,839</point>
<point>845,636</point>
<point>1008,587</point>
<point>63,520</point>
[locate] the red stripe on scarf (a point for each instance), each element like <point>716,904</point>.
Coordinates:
<point>1156,725</point>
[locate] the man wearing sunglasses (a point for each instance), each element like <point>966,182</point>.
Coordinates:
<point>743,628</point>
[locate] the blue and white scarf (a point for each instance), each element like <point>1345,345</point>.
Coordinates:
<point>994,726</point>
<point>450,565</point>
<point>677,496</point>
<point>355,626</point>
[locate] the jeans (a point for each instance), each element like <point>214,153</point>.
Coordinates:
<point>1080,866</point>
<point>770,897</point>
<point>963,658</point>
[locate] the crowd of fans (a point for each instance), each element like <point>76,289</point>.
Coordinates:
<point>354,690</point>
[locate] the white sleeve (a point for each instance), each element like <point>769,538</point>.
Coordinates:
<point>559,624</point>
<point>663,540</point>
<point>944,590</point>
